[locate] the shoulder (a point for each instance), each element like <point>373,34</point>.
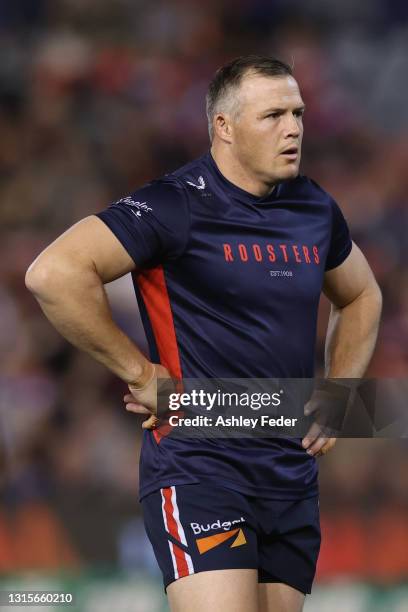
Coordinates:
<point>162,198</point>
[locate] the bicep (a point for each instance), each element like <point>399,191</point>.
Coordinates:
<point>344,284</point>
<point>89,244</point>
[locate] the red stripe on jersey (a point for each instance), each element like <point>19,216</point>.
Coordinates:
<point>152,285</point>
<point>179,554</point>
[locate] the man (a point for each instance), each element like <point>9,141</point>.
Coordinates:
<point>229,256</point>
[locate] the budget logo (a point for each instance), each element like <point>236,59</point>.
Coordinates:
<point>209,542</point>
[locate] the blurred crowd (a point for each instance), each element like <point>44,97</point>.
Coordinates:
<point>96,98</point>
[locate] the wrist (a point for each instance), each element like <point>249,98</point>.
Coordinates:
<point>145,377</point>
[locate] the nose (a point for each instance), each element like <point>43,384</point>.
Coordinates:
<point>292,127</point>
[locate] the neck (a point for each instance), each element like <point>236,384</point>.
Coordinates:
<point>236,173</point>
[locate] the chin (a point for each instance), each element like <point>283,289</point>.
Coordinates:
<point>288,173</point>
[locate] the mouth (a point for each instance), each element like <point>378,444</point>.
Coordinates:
<point>291,153</point>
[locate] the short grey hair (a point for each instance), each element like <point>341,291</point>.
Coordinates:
<point>221,94</point>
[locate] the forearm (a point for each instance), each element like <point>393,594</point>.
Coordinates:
<point>74,300</point>
<point>351,336</point>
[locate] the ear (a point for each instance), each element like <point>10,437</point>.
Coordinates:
<point>223,127</point>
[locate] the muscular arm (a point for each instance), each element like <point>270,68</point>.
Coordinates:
<point>354,318</point>
<point>352,331</point>
<point>67,279</point>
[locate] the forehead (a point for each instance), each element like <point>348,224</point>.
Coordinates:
<point>262,92</point>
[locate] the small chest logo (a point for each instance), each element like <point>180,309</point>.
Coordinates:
<point>201,183</point>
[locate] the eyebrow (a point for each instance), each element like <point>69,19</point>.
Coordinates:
<point>283,110</point>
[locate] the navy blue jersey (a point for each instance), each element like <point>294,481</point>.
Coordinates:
<point>228,286</point>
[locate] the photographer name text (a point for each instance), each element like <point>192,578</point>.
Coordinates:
<point>231,421</point>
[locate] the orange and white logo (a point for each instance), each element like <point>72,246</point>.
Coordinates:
<point>209,542</point>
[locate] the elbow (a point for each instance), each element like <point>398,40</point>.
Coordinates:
<point>52,277</point>
<point>37,277</point>
<point>40,277</point>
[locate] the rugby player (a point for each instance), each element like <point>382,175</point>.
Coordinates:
<point>229,256</point>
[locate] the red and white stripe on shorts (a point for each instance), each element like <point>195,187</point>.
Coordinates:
<point>182,563</point>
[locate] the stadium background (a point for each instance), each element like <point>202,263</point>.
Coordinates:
<point>97,97</point>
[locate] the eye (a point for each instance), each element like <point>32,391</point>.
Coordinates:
<point>273,115</point>
<point>299,113</point>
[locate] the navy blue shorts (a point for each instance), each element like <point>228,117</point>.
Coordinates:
<point>195,528</point>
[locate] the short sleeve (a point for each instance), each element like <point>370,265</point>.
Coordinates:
<point>153,223</point>
<point>340,241</point>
